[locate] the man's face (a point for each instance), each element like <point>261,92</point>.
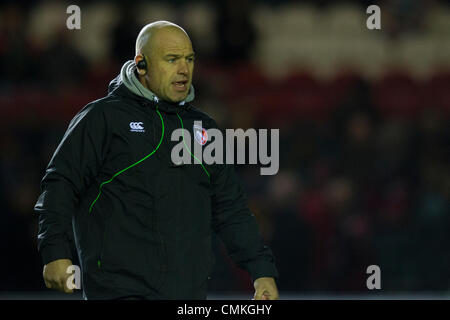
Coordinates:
<point>170,65</point>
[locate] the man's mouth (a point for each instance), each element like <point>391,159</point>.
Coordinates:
<point>180,85</point>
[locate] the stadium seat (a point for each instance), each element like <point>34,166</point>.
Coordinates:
<point>154,11</point>
<point>345,19</point>
<point>437,93</point>
<point>247,79</point>
<point>397,94</point>
<point>199,21</point>
<point>341,86</point>
<point>437,20</point>
<point>309,95</point>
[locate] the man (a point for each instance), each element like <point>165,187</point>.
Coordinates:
<point>142,224</point>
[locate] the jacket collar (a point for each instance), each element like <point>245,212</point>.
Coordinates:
<point>117,87</point>
<point>166,106</point>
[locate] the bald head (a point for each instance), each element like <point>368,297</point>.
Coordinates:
<point>152,32</point>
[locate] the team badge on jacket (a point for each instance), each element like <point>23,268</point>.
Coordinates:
<point>200,134</point>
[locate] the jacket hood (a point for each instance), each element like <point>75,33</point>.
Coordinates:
<point>128,81</point>
<point>128,77</point>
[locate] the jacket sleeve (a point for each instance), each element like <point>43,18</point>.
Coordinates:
<point>237,227</point>
<point>69,173</point>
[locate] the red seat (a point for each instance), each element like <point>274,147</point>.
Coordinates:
<point>437,93</point>
<point>397,95</point>
<point>247,80</point>
<point>276,107</point>
<point>341,86</point>
<point>310,97</point>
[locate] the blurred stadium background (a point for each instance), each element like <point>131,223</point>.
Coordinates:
<point>363,117</point>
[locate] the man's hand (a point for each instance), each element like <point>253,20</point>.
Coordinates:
<point>265,289</point>
<point>55,276</point>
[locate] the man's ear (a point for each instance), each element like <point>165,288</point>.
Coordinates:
<point>141,64</point>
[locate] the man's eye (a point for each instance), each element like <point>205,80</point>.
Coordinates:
<point>190,59</point>
<point>171,60</point>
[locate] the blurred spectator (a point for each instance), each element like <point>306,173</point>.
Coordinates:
<point>62,65</point>
<point>404,16</point>
<point>234,29</point>
<point>124,34</point>
<point>290,238</point>
<point>17,59</point>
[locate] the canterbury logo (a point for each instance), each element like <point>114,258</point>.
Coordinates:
<point>136,127</point>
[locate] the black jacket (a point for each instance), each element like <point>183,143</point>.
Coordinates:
<point>141,224</point>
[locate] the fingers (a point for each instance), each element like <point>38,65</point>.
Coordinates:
<point>265,295</point>
<point>47,283</point>
<point>265,289</point>
<point>55,275</point>
<point>261,295</point>
<point>67,290</point>
<point>63,286</point>
<point>60,285</point>
<point>273,296</point>
<point>258,295</point>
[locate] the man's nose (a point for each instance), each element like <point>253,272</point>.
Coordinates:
<point>183,67</point>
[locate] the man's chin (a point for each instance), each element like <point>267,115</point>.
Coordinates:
<point>177,98</point>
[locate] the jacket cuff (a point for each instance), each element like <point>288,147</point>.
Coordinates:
<point>52,252</point>
<point>259,269</point>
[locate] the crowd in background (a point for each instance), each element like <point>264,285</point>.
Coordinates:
<point>364,176</point>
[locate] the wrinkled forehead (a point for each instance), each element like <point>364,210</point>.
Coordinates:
<point>170,40</point>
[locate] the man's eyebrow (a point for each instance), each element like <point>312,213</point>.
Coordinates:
<point>170,55</point>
